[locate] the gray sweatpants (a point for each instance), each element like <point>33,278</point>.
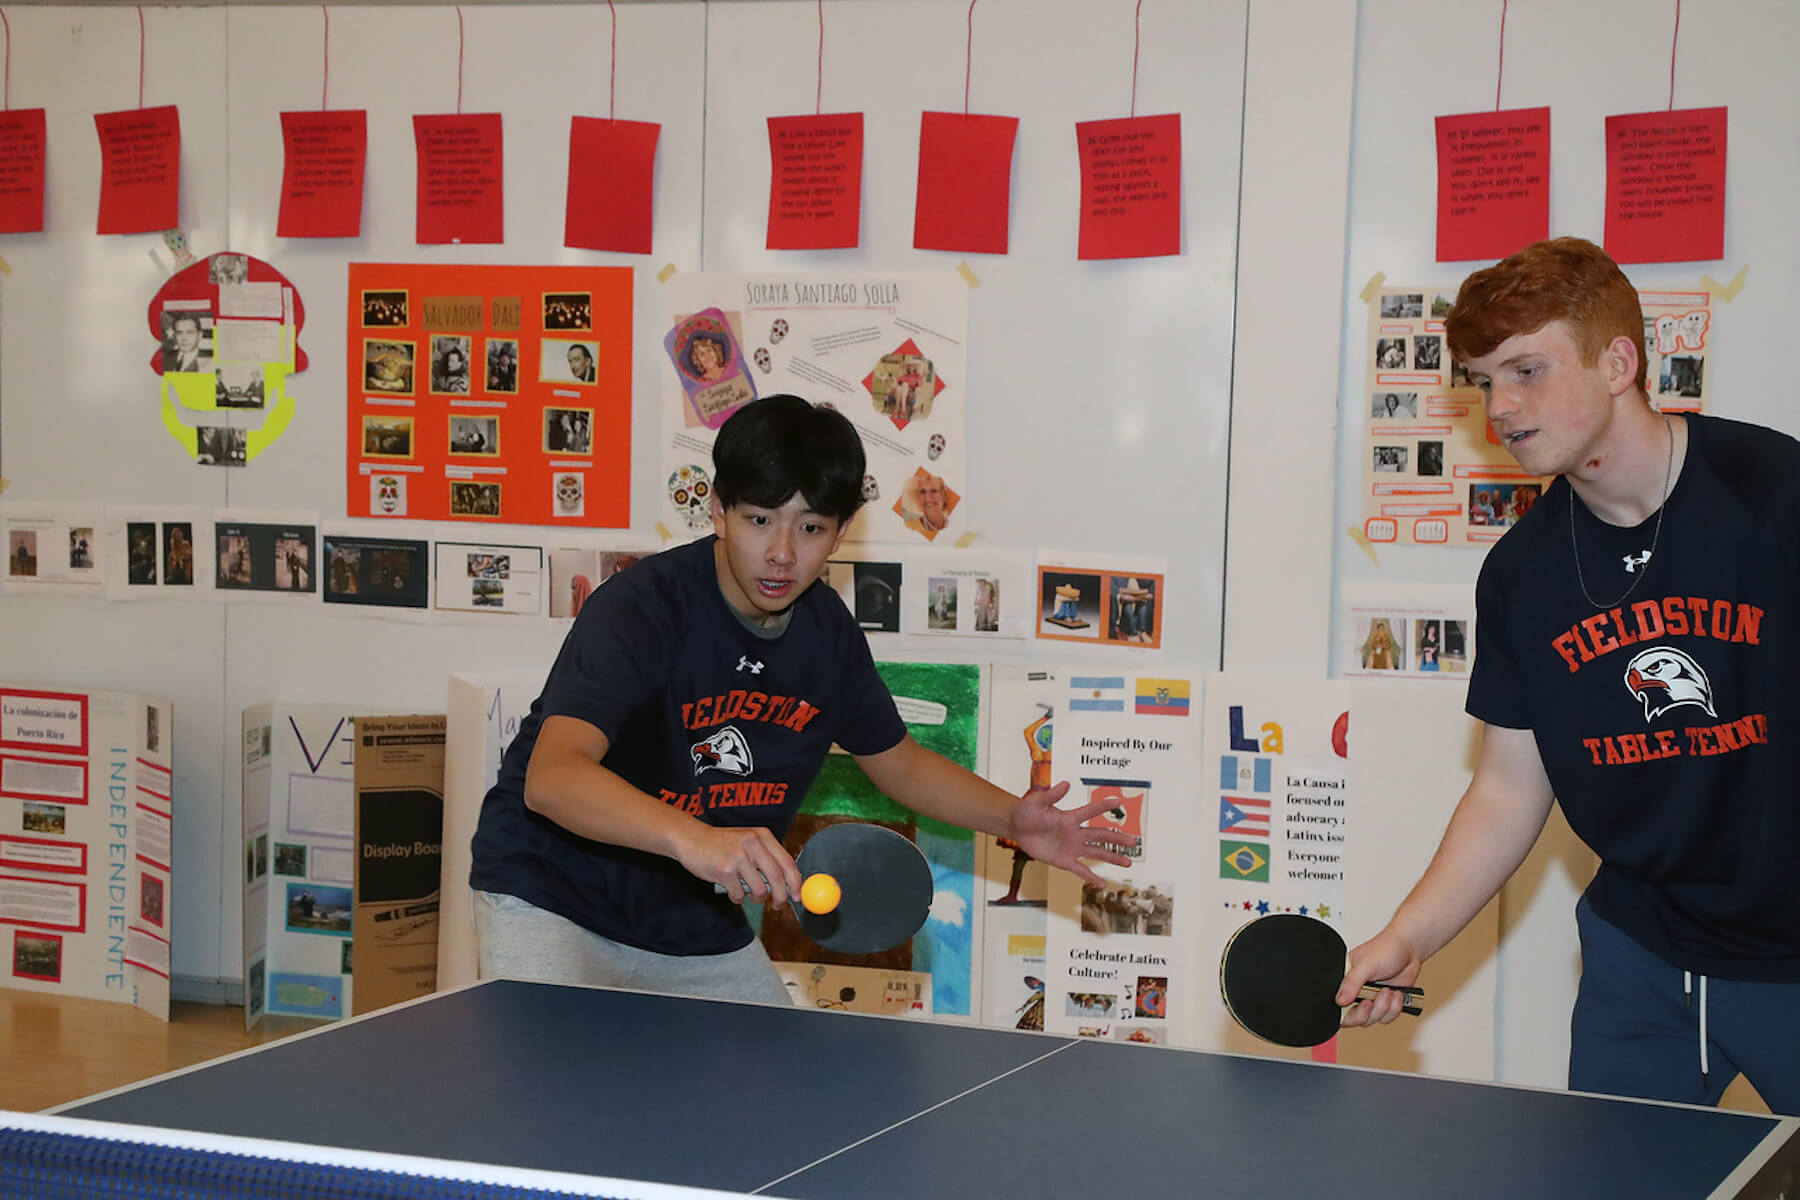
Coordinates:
<point>517,940</point>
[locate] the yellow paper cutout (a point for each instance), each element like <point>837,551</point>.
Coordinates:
<point>968,274</point>
<point>1726,292</point>
<point>5,267</point>
<point>1361,539</point>
<point>662,531</point>
<point>666,274</point>
<point>1371,288</point>
<point>966,540</point>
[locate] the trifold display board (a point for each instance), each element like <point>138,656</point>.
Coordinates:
<point>1095,398</point>
<point>86,876</point>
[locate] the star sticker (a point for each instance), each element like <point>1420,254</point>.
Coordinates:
<point>1303,910</point>
<point>1324,910</point>
<point>1262,907</point>
<point>1246,906</point>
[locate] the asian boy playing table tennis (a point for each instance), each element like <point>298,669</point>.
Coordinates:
<point>1636,645</point>
<point>691,706</point>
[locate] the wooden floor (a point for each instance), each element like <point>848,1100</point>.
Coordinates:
<point>55,1049</point>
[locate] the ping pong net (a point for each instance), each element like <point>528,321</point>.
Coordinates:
<point>48,1157</point>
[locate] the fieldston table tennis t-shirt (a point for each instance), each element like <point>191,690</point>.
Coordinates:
<point>700,712</point>
<point>1666,717</point>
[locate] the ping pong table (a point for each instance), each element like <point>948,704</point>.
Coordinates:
<point>654,1094</point>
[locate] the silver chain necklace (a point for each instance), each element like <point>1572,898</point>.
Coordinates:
<point>1661,508</point>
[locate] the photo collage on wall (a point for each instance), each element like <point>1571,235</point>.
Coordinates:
<point>490,393</point>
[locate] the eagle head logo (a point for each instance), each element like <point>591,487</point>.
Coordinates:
<point>726,751</point>
<point>1665,678</point>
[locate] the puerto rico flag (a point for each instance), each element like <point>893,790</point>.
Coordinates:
<point>1244,816</point>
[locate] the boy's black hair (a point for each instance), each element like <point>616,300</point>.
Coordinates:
<point>781,446</point>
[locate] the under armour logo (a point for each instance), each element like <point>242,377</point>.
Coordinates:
<point>1634,561</point>
<point>744,664</point>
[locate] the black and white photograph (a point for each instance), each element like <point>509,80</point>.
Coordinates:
<point>1680,376</point>
<point>1428,351</point>
<point>187,336</point>
<point>568,310</point>
<point>1394,405</point>
<point>568,362</point>
<point>450,364</point>
<point>1431,458</point>
<point>81,547</point>
<point>343,569</point>
<point>1390,459</point>
<point>568,430</point>
<point>503,365</point>
<point>21,553</point>
<point>220,446</point>
<point>238,385</point>
<point>384,309</point>
<point>1390,354</point>
<point>1402,306</point>
<point>228,269</point>
<point>488,565</point>
<point>488,593</point>
<point>235,569</point>
<point>1459,375</point>
<point>474,435</point>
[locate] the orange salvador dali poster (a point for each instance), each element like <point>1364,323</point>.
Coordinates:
<point>490,393</point>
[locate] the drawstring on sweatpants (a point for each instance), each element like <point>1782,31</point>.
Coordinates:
<point>1687,991</point>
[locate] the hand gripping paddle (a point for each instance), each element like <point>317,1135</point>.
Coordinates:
<point>1279,976</point>
<point>885,888</point>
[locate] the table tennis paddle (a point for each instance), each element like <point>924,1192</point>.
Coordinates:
<point>885,886</point>
<point>1279,976</point>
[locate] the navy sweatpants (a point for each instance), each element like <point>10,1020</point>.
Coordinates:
<point>1636,1030</point>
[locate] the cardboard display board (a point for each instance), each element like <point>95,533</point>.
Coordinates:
<point>399,776</point>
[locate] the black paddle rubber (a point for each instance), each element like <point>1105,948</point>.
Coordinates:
<point>886,888</point>
<point>1279,976</point>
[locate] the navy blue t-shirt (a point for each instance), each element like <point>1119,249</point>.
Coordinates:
<point>698,711</point>
<point>1666,721</point>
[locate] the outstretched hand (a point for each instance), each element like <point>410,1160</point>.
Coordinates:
<point>1387,957</point>
<point>1062,838</point>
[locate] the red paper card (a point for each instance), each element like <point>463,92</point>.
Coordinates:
<point>140,170</point>
<point>1665,186</point>
<point>322,181</point>
<point>965,182</point>
<point>1130,187</point>
<point>815,181</point>
<point>22,170</point>
<point>460,171</point>
<point>612,195</point>
<point>1493,183</point>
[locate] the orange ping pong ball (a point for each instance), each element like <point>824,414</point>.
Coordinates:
<point>820,893</point>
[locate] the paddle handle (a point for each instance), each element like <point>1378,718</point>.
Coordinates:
<point>1415,997</point>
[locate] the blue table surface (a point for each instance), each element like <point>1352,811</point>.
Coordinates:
<point>740,1097</point>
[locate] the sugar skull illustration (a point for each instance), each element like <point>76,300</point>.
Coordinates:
<point>690,491</point>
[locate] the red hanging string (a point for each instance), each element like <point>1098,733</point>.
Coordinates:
<point>140,9</point>
<point>969,58</point>
<point>326,82</point>
<point>8,85</point>
<point>1500,69</point>
<point>612,85</point>
<point>459,59</point>
<point>1672,40</point>
<point>818,95</point>
<point>1137,30</point>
